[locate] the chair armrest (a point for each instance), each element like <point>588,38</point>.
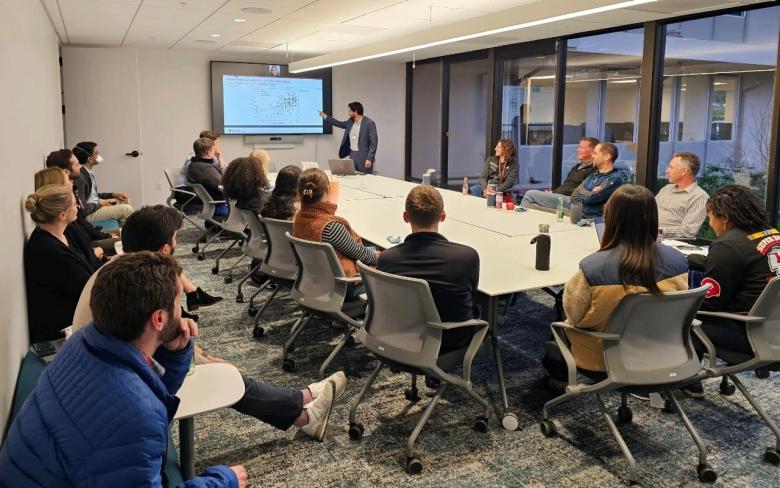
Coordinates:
<point>705,340</point>
<point>345,279</point>
<point>733,316</point>
<point>563,347</point>
<point>457,325</point>
<point>218,201</point>
<point>179,190</point>
<point>598,335</point>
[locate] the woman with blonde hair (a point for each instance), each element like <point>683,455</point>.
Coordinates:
<point>58,261</point>
<point>262,156</point>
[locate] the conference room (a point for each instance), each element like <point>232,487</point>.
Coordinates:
<point>391,243</point>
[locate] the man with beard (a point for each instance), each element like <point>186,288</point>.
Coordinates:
<point>99,414</point>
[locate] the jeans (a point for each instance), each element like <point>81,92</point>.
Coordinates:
<point>275,405</point>
<point>354,292</point>
<point>545,199</point>
<point>724,334</point>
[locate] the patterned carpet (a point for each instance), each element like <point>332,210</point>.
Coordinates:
<point>584,453</point>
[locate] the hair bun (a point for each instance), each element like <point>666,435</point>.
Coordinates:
<point>31,202</point>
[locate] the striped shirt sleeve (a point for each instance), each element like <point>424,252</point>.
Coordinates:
<point>337,235</point>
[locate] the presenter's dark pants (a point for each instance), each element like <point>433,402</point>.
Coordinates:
<point>275,405</point>
<point>360,163</point>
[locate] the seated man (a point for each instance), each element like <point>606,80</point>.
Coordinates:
<point>583,169</point>
<point>97,205</point>
<point>99,413</point>
<point>218,161</point>
<point>451,270</point>
<point>594,192</point>
<point>202,171</point>
<point>682,204</point>
<point>154,229</point>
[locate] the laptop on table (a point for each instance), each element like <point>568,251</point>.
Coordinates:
<point>342,167</point>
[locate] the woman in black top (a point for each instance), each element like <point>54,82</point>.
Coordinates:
<point>58,261</point>
<point>283,202</point>
<point>740,262</point>
<point>245,182</point>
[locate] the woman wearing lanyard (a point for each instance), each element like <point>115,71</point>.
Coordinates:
<point>500,170</point>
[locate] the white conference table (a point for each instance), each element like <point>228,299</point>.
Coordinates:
<point>208,388</point>
<point>502,239</point>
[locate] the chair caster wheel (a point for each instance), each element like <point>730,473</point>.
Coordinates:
<point>481,425</point>
<point>201,257</point>
<point>414,465</point>
<point>228,280</point>
<point>547,427</point>
<point>625,415</point>
<point>411,395</point>
<point>288,365</point>
<point>239,298</point>
<point>214,270</point>
<point>762,373</point>
<point>668,407</point>
<point>195,249</point>
<point>706,473</point>
<point>350,342</point>
<point>356,431</point>
<point>727,389</point>
<point>509,422</point>
<point>258,332</point>
<point>252,310</point>
<point>772,456</point>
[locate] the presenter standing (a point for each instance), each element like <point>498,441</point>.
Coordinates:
<point>360,139</point>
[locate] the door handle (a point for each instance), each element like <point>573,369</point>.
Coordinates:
<point>133,154</point>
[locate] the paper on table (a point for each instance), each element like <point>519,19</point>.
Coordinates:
<point>686,248</point>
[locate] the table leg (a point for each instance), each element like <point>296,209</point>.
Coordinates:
<point>187,447</point>
<point>509,419</point>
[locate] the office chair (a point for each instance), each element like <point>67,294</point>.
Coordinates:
<point>320,290</point>
<point>647,348</point>
<point>762,325</point>
<point>177,192</point>
<point>255,247</point>
<point>403,330</point>
<point>234,228</point>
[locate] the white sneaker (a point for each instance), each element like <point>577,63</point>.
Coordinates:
<point>319,412</point>
<point>338,378</point>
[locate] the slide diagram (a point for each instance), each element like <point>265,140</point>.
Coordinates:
<point>256,104</point>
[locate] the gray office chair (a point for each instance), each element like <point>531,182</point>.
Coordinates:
<point>234,229</point>
<point>255,247</point>
<point>403,330</point>
<point>647,348</point>
<point>180,195</point>
<point>207,215</point>
<point>320,290</point>
<point>279,266</point>
<point>763,330</point>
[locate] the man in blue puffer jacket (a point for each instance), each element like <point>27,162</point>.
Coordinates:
<point>99,414</point>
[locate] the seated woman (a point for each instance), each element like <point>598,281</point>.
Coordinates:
<point>245,181</point>
<point>739,263</point>
<point>262,156</point>
<point>283,202</point>
<point>629,261</point>
<point>317,221</point>
<point>500,170</point>
<point>58,261</point>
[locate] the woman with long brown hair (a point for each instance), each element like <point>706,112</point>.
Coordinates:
<point>629,261</point>
<point>245,181</point>
<point>500,170</point>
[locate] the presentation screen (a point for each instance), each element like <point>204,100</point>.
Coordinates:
<point>250,98</point>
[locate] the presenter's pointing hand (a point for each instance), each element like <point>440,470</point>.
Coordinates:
<point>323,114</point>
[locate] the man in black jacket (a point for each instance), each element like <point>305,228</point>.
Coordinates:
<point>201,169</point>
<point>67,161</point>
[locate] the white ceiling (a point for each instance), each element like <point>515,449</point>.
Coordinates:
<point>308,28</point>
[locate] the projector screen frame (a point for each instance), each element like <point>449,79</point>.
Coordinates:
<point>262,69</point>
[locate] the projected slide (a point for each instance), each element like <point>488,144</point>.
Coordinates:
<point>271,105</point>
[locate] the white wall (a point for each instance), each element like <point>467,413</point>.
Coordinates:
<point>32,126</point>
<point>175,105</point>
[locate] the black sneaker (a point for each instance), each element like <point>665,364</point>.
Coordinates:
<point>186,315</point>
<point>431,386</point>
<point>199,297</point>
<point>695,390</point>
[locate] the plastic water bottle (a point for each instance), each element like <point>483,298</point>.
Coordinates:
<point>543,244</point>
<point>559,210</point>
<point>499,200</point>
<point>465,189</point>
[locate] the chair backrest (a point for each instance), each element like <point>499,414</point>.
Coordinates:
<point>655,345</point>
<point>318,266</point>
<point>765,336</point>
<point>395,325</point>
<point>171,179</point>
<point>235,220</point>
<point>257,245</point>
<point>279,258</point>
<point>209,207</point>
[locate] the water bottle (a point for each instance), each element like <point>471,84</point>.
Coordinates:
<point>491,196</point>
<point>543,244</point>
<point>559,210</point>
<point>426,179</point>
<point>499,200</point>
<point>465,189</point>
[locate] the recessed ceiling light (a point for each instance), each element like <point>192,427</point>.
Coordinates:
<point>215,35</point>
<point>239,20</point>
<point>256,10</point>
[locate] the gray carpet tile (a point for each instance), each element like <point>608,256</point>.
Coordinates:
<point>583,454</point>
